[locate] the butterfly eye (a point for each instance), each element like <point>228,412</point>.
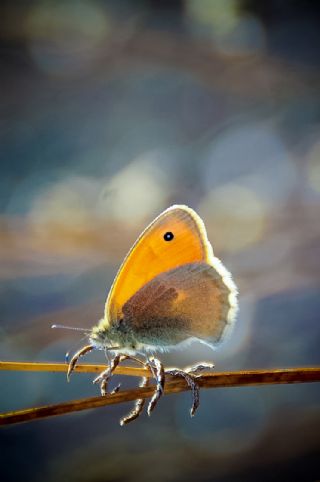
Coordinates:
<point>168,236</point>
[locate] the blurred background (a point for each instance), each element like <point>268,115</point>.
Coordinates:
<point>111,111</point>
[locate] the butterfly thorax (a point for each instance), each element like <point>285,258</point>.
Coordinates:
<point>115,334</point>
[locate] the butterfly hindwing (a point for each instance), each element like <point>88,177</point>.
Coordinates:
<point>190,301</point>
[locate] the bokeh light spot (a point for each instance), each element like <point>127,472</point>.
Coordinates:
<point>135,192</point>
<point>313,168</point>
<point>236,216</point>
<point>64,37</point>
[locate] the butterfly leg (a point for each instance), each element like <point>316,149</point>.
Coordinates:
<point>190,374</point>
<point>138,407</point>
<point>157,371</point>
<point>199,368</point>
<point>74,360</point>
<point>156,368</point>
<point>105,376</point>
<point>190,378</point>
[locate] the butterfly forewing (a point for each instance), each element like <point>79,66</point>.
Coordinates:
<point>174,238</point>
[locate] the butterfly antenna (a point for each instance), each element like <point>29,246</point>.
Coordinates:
<point>74,328</point>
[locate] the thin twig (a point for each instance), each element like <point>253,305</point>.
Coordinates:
<point>63,367</point>
<point>173,385</point>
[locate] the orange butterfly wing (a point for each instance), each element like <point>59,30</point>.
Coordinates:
<point>152,255</point>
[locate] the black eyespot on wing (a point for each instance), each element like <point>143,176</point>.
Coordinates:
<point>168,236</point>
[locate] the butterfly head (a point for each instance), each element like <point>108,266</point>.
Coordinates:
<point>99,336</point>
<point>106,336</point>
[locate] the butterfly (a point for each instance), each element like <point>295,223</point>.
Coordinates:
<point>169,291</point>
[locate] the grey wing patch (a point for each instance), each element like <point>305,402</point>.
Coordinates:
<point>145,314</point>
<point>189,301</point>
<point>154,293</point>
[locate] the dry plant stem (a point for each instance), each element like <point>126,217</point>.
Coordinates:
<point>62,367</point>
<point>173,385</point>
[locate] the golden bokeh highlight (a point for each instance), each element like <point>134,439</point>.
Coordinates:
<point>237,217</point>
<point>66,37</point>
<point>135,193</point>
<point>313,167</point>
